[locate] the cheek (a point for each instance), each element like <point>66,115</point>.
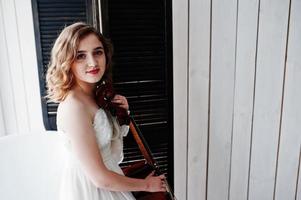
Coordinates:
<point>77,71</point>
<point>73,70</point>
<point>103,61</point>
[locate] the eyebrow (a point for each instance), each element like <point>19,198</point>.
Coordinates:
<point>97,48</point>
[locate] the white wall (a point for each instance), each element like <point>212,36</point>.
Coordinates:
<point>237,73</point>
<point>180,46</point>
<point>31,166</point>
<point>20,110</point>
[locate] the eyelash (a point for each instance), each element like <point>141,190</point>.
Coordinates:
<point>80,56</point>
<point>99,52</point>
<point>83,56</point>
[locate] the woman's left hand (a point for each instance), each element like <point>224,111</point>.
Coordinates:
<point>121,101</point>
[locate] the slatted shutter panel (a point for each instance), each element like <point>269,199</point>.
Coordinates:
<point>50,16</point>
<point>142,70</point>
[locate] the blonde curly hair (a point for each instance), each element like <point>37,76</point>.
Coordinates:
<point>59,78</point>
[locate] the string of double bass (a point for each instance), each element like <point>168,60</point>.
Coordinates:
<point>145,150</point>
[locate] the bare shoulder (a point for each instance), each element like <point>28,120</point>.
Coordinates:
<point>73,112</point>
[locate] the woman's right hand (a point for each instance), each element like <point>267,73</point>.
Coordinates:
<point>155,183</point>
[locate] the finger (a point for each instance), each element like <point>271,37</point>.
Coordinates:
<point>163,189</point>
<point>122,98</point>
<point>164,186</point>
<point>117,96</point>
<point>121,104</point>
<point>117,101</point>
<point>121,101</point>
<point>162,176</point>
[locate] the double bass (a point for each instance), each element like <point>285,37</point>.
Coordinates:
<point>104,94</point>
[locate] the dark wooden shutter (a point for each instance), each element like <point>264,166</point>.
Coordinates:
<point>50,16</point>
<point>141,34</point>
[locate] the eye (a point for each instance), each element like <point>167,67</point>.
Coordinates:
<point>98,52</point>
<point>80,56</point>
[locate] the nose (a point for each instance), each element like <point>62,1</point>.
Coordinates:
<point>91,61</point>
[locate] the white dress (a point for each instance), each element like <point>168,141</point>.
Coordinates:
<point>75,185</point>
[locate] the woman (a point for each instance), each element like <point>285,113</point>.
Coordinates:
<point>80,61</point>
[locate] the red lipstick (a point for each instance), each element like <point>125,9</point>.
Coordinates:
<point>93,71</point>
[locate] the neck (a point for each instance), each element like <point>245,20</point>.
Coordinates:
<point>86,89</point>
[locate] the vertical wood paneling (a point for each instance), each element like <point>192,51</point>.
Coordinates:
<point>180,64</point>
<point>243,100</point>
<point>298,185</point>
<point>29,65</point>
<point>290,140</point>
<point>17,82</point>
<point>20,91</point>
<point>221,99</point>
<point>199,50</point>
<point>2,124</point>
<point>2,41</point>
<point>272,34</point>
<point>7,96</point>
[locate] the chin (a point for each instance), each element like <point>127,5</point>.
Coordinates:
<point>95,80</point>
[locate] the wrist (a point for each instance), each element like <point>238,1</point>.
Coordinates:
<point>146,186</point>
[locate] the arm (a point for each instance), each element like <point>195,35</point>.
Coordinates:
<point>83,139</point>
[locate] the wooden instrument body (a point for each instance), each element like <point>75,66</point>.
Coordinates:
<point>141,169</point>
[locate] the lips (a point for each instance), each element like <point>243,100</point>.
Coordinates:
<point>93,71</point>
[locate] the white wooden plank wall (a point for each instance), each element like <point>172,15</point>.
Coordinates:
<point>298,185</point>
<point>272,35</point>
<point>243,98</point>
<point>198,92</point>
<point>2,124</point>
<point>243,87</point>
<point>289,147</point>
<point>223,40</point>
<point>180,37</point>
<point>19,82</point>
<point>7,94</point>
<point>29,65</point>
